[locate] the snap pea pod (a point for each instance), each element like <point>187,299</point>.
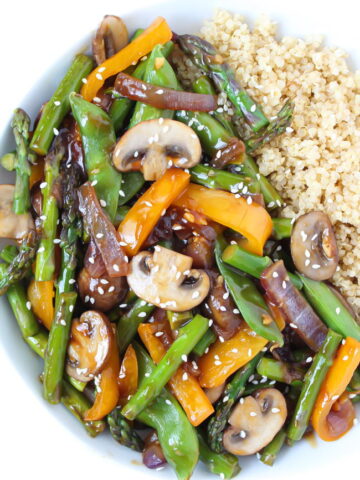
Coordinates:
<point>58,106</point>
<point>269,453</point>
<point>203,85</point>
<point>162,76</point>
<point>280,371</point>
<point>355,381</point>
<point>233,390</point>
<point>251,263</point>
<point>176,435</point>
<point>247,298</point>
<point>224,464</point>
<point>330,308</point>
<point>150,388</point>
<point>120,215</point>
<point>205,341</point>
<point>98,140</point>
<point>311,386</point>
<point>282,228</point>
<point>132,183</point>
<point>56,348</point>
<point>128,324</point>
<point>214,178</point>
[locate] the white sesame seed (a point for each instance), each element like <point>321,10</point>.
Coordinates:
<point>121,193</point>
<point>101,290</point>
<point>160,91</point>
<point>147,374</point>
<point>235,350</point>
<point>275,274</point>
<point>168,401</point>
<point>275,410</point>
<point>41,249</point>
<point>28,305</point>
<point>56,241</point>
<point>62,322</point>
<point>99,76</point>
<point>91,260</point>
<point>222,340</point>
<point>207,350</point>
<point>253,414</point>
<point>142,314</point>
<point>236,311</point>
<point>93,183</point>
<point>222,308</point>
<point>87,298</point>
<point>271,204</point>
<point>116,267</point>
<point>249,352</point>
<point>184,357</point>
<point>72,281</point>
<point>159,334</point>
<point>284,285</point>
<point>56,131</point>
<point>253,108</point>
<point>307,253</point>
<point>185,376</point>
<point>148,204</point>
<point>307,262</point>
<point>315,266</point>
<point>122,305</point>
<point>217,362</point>
<point>211,322</point>
<point>92,300</point>
<point>309,360</point>
<point>289,129</point>
<point>345,357</point>
<point>293,325</point>
<point>242,434</point>
<point>71,308</point>
<point>96,99</point>
<point>84,80</point>
<point>226,398</point>
<point>249,200</point>
<point>43,185</point>
<point>303,235</point>
<point>157,248</point>
<point>335,397</point>
<point>111,289</point>
<point>195,294</point>
<point>57,103</point>
<point>99,235</point>
<point>337,310</point>
<point>103,203</point>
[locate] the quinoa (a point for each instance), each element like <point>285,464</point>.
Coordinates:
<point>315,166</point>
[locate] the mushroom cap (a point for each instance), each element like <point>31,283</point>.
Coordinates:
<point>313,246</point>
<point>153,146</point>
<point>12,225</point>
<point>255,421</point>
<point>89,345</point>
<point>165,279</point>
<point>111,36</point>
<point>214,393</point>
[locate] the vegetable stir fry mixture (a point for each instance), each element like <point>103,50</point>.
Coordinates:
<point>150,268</point>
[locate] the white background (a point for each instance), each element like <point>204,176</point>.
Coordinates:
<point>35,439</point>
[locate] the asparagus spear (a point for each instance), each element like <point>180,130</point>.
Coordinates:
<point>8,161</point>
<point>311,386</point>
<point>233,390</point>
<point>247,298</point>
<point>280,371</point>
<point>204,55</point>
<point>9,253</point>
<point>98,139</point>
<point>122,431</point>
<point>45,259</point>
<point>150,388</point>
<point>128,324</point>
<point>214,178</point>
<point>269,453</point>
<point>56,348</point>
<point>205,341</point>
<point>58,106</point>
<point>21,126</point>
<point>21,263</point>
<point>224,464</point>
<point>330,308</point>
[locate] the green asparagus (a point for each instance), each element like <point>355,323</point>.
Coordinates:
<point>269,453</point>
<point>204,343</point>
<point>280,371</point>
<point>123,432</point>
<point>214,178</point>
<point>282,228</point>
<point>224,464</point>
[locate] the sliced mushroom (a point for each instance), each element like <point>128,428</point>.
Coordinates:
<point>165,279</point>
<point>153,146</point>
<point>111,36</point>
<point>214,393</point>
<point>255,421</point>
<point>313,246</point>
<point>89,345</point>
<point>103,293</point>
<point>12,225</point>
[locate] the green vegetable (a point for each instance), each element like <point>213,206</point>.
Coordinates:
<point>150,388</point>
<point>121,213</point>
<point>269,453</point>
<point>214,178</point>
<point>57,347</point>
<point>330,308</point>
<point>176,435</point>
<point>9,253</point>
<point>123,432</point>
<point>282,228</point>
<point>132,183</point>
<point>128,324</point>
<point>98,140</point>
<point>58,106</point>
<point>233,390</point>
<point>311,386</point>
<point>247,298</point>
<point>177,319</point>
<point>224,464</point>
<point>8,161</point>
<point>205,341</point>
<point>280,371</point>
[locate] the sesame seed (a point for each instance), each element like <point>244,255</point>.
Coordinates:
<point>103,203</point>
<point>62,322</point>
<point>307,262</point>
<point>253,108</point>
<point>249,352</point>
<point>41,249</point>
<point>222,308</point>
<point>226,398</point>
<point>122,244</point>
<point>56,241</point>
<point>122,305</point>
<point>284,285</point>
<point>121,193</point>
<point>275,410</point>
<point>195,295</point>
<point>91,260</point>
<point>217,362</point>
<point>185,376</point>
<point>87,298</point>
<point>97,99</point>
<point>57,103</point>
<point>337,310</point>
<point>142,314</point>
<point>242,434</point>
<point>236,311</point>
<point>252,414</point>
<point>222,340</point>
<point>43,185</point>
<point>101,69</point>
<point>275,274</point>
<point>345,357</point>
<point>315,266</point>
<point>99,235</point>
<point>235,350</point>
<point>207,350</point>
<point>157,248</point>
<point>92,300</point>
<point>184,357</point>
<point>147,374</point>
<point>84,80</point>
<point>271,204</point>
<point>101,290</point>
<point>159,334</point>
<point>111,289</point>
<point>72,281</point>
<point>249,200</point>
<point>116,267</point>
<point>335,397</point>
<point>309,360</point>
<point>168,402</point>
<point>148,204</point>
<point>303,235</point>
<point>104,281</point>
<point>289,129</point>
<point>99,76</point>
<point>307,253</point>
<point>71,308</point>
<point>93,183</point>
<point>211,322</point>
<point>160,91</point>
<point>56,131</point>
<point>28,305</point>
<point>293,325</point>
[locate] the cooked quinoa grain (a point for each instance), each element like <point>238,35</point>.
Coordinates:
<point>317,165</point>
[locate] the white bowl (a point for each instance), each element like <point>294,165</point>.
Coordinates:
<point>45,439</point>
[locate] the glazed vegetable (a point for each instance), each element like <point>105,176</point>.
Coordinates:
<point>247,218</point>
<point>311,386</point>
<point>165,98</point>
<point>282,228</point>
<point>248,300</point>
<point>56,347</point>
<point>152,385</point>
<point>12,225</point>
<point>176,435</point>
<point>280,371</point>
<point>152,454</point>
<point>128,323</point>
<point>123,432</point>
<point>333,414</point>
<point>131,184</point>
<point>204,343</point>
<point>41,297</point>
<point>146,212</point>
<point>98,140</point>
<point>233,390</point>
<point>128,376</point>
<point>175,145</point>
<point>157,32</point>
<point>299,314</point>
<point>58,106</point>
<point>223,464</point>
<point>184,386</point>
<point>330,308</point>
<point>165,279</point>
<point>249,433</point>
<point>205,56</point>
<point>111,36</point>
<point>102,232</point>
<point>21,126</point>
<point>269,453</point>
<point>313,246</point>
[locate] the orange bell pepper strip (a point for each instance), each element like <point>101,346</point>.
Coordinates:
<point>145,213</point>
<point>333,413</point>
<point>107,395</point>
<point>41,296</point>
<point>184,386</point>
<point>158,32</point>
<point>251,220</point>
<point>128,376</point>
<point>37,172</point>
<point>224,358</point>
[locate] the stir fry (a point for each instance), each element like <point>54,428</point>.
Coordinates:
<point>151,268</point>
